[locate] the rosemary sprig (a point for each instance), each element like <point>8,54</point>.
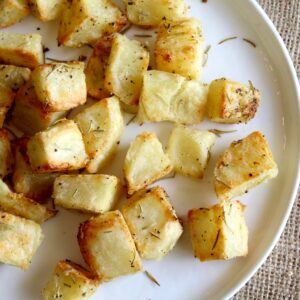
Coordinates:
<point>250,42</point>
<point>151,277</point>
<point>227,40</point>
<point>219,133</point>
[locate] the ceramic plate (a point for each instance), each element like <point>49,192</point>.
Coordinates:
<point>180,275</point>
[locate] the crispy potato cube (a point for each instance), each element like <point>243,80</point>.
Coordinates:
<point>150,13</point>
<point>232,102</point>
<point>107,246</point>
<point>12,12</point>
<point>25,50</point>
<point>102,126</point>
<point>21,206</point>
<point>86,21</point>
<point>28,113</point>
<point>32,185</point>
<point>6,100</point>
<point>179,48</point>
<point>95,70</point>
<point>60,86</point>
<point>59,148</point>
<point>189,150</point>
<point>170,97</point>
<point>145,162</point>
<point>13,76</point>
<point>19,240</point>
<point>219,232</point>
<point>46,10</point>
<point>6,157</point>
<point>244,165</point>
<point>95,193</point>
<point>70,281</point>
<point>152,222</point>
<point>127,63</point>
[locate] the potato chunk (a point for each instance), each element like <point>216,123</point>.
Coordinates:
<point>19,240</point>
<point>150,13</point>
<point>219,232</point>
<point>189,150</point>
<point>244,165</point>
<point>107,246</point>
<point>46,10</point>
<point>70,281</point>
<point>12,12</point>
<point>21,206</point>
<point>86,21</point>
<point>13,76</point>
<point>59,148</point>
<point>170,97</point>
<point>31,184</point>
<point>127,63</point>
<point>25,50</point>
<point>88,193</point>
<point>232,102</point>
<point>152,222</point>
<point>6,157</point>
<point>29,115</point>
<point>6,100</point>
<point>102,127</point>
<point>60,86</point>
<point>145,162</point>
<point>179,48</point>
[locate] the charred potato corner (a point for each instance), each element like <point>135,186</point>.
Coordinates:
<point>62,127</point>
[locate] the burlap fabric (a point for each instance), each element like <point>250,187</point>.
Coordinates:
<point>279,276</point>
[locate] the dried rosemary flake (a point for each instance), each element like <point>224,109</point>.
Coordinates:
<point>56,60</point>
<point>252,87</point>
<point>227,40</point>
<point>126,28</point>
<point>143,35</point>
<point>155,235</point>
<point>132,262</point>
<point>67,285</point>
<point>216,241</point>
<point>107,231</point>
<point>75,193</point>
<point>250,42</point>
<point>206,51</point>
<point>131,119</point>
<point>151,277</point>
<point>219,133</point>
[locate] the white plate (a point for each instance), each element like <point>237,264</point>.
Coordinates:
<point>180,275</point>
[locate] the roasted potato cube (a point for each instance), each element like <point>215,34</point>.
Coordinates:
<point>21,206</point>
<point>145,162</point>
<point>12,12</point>
<point>150,13</point>
<point>19,240</point>
<point>95,70</point>
<point>13,76</point>
<point>219,232</point>
<point>6,100</point>
<point>170,97</point>
<point>244,165</point>
<point>107,246</point>
<point>32,185</point>
<point>86,21</point>
<point>189,150</point>
<point>60,86</point>
<point>152,222</point>
<point>25,50</point>
<point>179,48</point>
<point>102,127</point>
<point>46,10</point>
<point>6,157</point>
<point>232,102</point>
<point>70,281</point>
<point>127,63</point>
<point>88,193</point>
<point>59,148</point>
<point>29,115</point>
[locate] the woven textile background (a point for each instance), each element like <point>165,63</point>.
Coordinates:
<point>279,276</point>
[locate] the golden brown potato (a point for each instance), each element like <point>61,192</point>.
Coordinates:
<point>60,86</point>
<point>179,48</point>
<point>145,162</point>
<point>12,12</point>
<point>219,232</point>
<point>6,157</point>
<point>150,13</point>
<point>46,10</point>
<point>107,246</point>
<point>152,222</point>
<point>244,165</point>
<point>13,77</point>
<point>25,50</point>
<point>128,61</point>
<point>170,97</point>
<point>86,21</point>
<point>6,100</point>
<point>232,102</point>
<point>59,148</point>
<point>19,240</point>
<point>70,281</point>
